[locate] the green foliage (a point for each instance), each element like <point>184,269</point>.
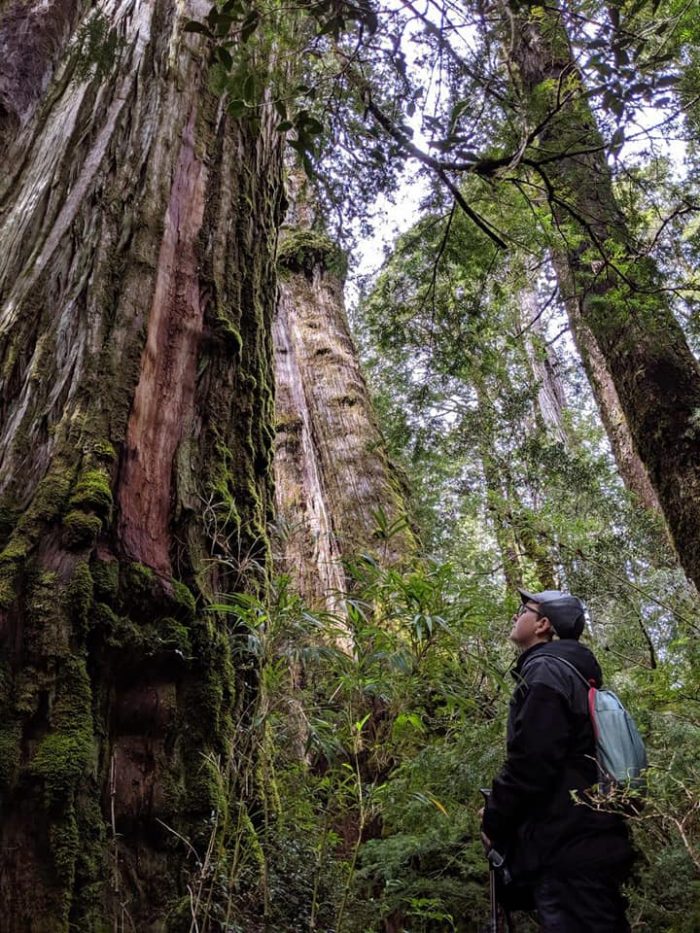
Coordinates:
<point>98,48</point>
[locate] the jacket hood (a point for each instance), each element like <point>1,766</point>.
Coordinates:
<point>573,652</point>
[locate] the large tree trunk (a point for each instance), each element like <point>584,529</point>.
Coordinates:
<point>613,288</point>
<point>137,288</point>
<point>632,470</point>
<point>336,492</point>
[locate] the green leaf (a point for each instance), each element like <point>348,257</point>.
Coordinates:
<point>313,126</point>
<point>250,24</point>
<point>194,26</point>
<point>236,107</point>
<point>224,56</point>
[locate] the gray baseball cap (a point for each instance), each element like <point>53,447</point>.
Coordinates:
<point>564,611</point>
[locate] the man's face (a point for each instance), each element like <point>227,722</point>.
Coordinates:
<point>528,626</point>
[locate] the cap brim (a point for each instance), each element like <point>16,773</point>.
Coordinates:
<point>525,596</point>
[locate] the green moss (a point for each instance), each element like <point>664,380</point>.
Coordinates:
<point>10,738</point>
<point>103,616</point>
<point>140,592</point>
<point>48,635</point>
<point>91,869</point>
<point>49,500</point>
<point>80,595</point>
<point>184,601</point>
<point>103,452</point>
<point>206,789</point>
<point>93,493</point>
<point>174,636</point>
<point>227,329</point>
<point>59,761</point>
<point>28,682</point>
<point>302,250</point>
<point>64,842</point>
<point>140,578</point>
<point>8,590</point>
<point>65,754</point>
<point>105,576</point>
<point>81,529</point>
<point>147,597</point>
<point>210,695</point>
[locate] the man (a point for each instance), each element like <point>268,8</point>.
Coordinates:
<point>573,856</point>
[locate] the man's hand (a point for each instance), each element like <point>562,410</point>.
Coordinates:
<point>488,845</point>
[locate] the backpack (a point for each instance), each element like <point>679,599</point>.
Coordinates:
<point>620,752</point>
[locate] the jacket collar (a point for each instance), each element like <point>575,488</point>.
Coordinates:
<point>515,671</point>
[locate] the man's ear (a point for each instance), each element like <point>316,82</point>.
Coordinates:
<point>544,626</point>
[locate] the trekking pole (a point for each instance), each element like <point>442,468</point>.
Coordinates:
<point>494,920</point>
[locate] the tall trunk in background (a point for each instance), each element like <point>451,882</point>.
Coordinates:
<point>525,557</point>
<point>551,400</point>
<point>333,478</point>
<point>632,470</point>
<point>606,282</point>
<point>137,288</point>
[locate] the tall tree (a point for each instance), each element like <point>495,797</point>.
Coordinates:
<point>336,491</point>
<point>645,378</point>
<point>137,287</point>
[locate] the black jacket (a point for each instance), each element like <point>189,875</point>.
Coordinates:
<point>531,816</point>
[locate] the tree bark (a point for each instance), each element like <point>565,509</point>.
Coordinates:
<point>551,398</point>
<point>615,287</point>
<point>336,492</point>
<point>137,288</point>
<point>632,470</point>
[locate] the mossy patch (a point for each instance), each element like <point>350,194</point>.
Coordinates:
<point>10,737</point>
<point>65,754</point>
<point>103,452</point>
<point>90,866</point>
<point>206,788</point>
<point>105,576</point>
<point>80,595</point>
<point>93,493</point>
<point>303,250</point>
<point>59,761</point>
<point>146,597</point>
<point>183,601</point>
<point>80,529</point>
<point>226,328</point>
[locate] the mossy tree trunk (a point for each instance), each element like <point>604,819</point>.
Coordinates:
<point>611,286</point>
<point>336,491</point>
<point>137,288</point>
